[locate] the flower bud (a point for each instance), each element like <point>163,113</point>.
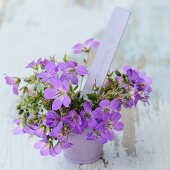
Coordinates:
<point>117,73</point>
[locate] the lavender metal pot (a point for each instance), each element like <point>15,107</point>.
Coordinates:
<point>83,151</point>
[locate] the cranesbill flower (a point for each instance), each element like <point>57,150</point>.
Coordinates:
<point>86,46</point>
<point>104,131</point>
<point>87,116</point>
<point>97,134</point>
<point>71,70</point>
<point>13,82</point>
<point>111,122</point>
<point>106,106</point>
<point>55,150</point>
<point>74,120</point>
<point>50,72</point>
<point>42,62</point>
<point>18,130</point>
<point>52,118</point>
<point>57,134</point>
<point>58,92</point>
<point>43,145</point>
<point>32,64</point>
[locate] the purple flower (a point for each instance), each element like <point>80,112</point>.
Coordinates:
<point>97,134</point>
<point>87,116</point>
<point>18,130</point>
<point>52,118</point>
<point>71,70</point>
<point>128,103</point>
<point>13,82</point>
<point>104,131</point>
<point>39,132</point>
<point>74,120</point>
<point>29,129</point>
<point>89,44</point>
<point>59,93</point>
<point>50,72</point>
<point>111,122</point>
<point>43,145</point>
<point>57,134</point>
<point>141,87</point>
<point>105,106</point>
<point>55,150</point>
<point>115,104</point>
<point>32,64</point>
<point>46,149</point>
<point>42,62</point>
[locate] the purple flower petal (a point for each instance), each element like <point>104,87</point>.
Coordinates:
<point>74,79</point>
<point>89,41</point>
<point>56,130</point>
<point>77,51</point>
<point>57,103</point>
<point>56,83</point>
<point>66,101</point>
<point>56,150</point>
<point>115,104</point>
<point>52,118</point>
<point>77,129</point>
<point>65,144</point>
<point>106,116</point>
<point>81,70</point>
<point>15,89</point>
<point>17,121</point>
<point>28,130</point>
<point>91,136</point>
<point>118,126</point>
<point>92,123</point>
<point>102,139</point>
<point>115,116</point>
<point>18,130</point>
<point>49,93</point>
<point>109,135</point>
<point>39,145</point>
<point>10,80</point>
<point>104,103</point>
<point>39,132</point>
<point>87,107</point>
<point>45,151</point>
<point>66,85</point>
<point>50,66</point>
<point>125,68</point>
<point>58,127</point>
<point>31,65</point>
<point>95,44</point>
<point>97,113</point>
<point>44,76</point>
<point>78,46</point>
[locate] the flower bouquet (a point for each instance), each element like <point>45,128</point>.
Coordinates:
<point>52,108</point>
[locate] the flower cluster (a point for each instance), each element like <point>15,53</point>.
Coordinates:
<point>51,106</point>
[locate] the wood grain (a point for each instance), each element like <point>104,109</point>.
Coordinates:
<point>40,28</point>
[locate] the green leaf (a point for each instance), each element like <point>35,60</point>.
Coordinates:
<point>65,59</point>
<point>92,96</point>
<point>76,87</point>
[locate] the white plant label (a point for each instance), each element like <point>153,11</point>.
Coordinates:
<point>107,49</point>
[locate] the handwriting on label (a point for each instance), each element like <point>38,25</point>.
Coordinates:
<point>107,49</point>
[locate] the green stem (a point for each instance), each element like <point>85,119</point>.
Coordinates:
<point>81,83</point>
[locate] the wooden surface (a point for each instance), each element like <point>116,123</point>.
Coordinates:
<point>37,28</point>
